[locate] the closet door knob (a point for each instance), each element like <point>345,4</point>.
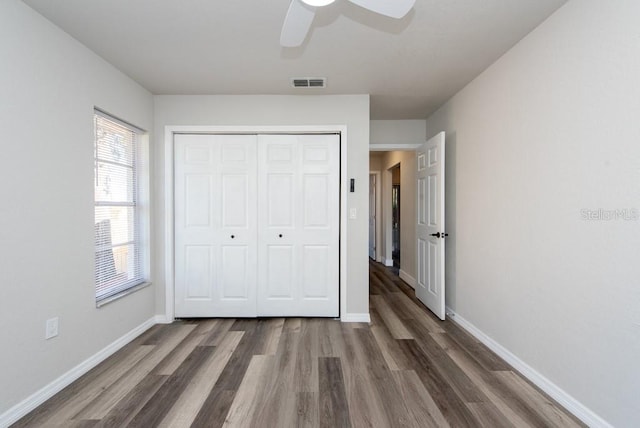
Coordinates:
<point>280,235</point>
<point>233,236</point>
<point>437,235</point>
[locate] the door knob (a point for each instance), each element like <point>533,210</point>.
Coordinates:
<point>233,236</point>
<point>437,235</point>
<point>280,235</point>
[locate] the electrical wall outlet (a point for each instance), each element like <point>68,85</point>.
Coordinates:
<point>51,328</point>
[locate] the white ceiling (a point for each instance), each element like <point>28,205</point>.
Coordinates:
<point>409,66</point>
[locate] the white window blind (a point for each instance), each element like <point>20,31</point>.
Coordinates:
<point>118,264</point>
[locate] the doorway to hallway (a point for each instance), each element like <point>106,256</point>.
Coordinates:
<point>396,221</point>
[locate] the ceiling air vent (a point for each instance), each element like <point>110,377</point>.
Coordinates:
<point>309,82</point>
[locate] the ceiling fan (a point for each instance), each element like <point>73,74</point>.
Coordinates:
<point>301,13</point>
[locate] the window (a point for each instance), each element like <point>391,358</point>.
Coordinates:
<point>118,255</point>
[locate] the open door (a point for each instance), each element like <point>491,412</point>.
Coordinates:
<point>430,225</point>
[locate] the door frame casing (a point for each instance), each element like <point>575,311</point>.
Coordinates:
<point>385,192</point>
<point>378,214</point>
<point>169,203</point>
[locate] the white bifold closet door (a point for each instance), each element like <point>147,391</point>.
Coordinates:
<point>256,225</point>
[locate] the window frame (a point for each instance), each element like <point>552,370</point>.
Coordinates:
<point>140,223</point>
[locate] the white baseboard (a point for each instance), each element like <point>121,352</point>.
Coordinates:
<point>407,278</point>
<point>355,317</point>
<point>162,319</point>
<point>34,400</point>
<point>582,412</point>
<point>388,262</point>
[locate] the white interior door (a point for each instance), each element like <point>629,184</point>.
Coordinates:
<point>430,287</point>
<point>372,216</point>
<point>215,225</point>
<point>298,225</point>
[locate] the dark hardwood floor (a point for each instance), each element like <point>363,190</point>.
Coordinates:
<point>405,369</point>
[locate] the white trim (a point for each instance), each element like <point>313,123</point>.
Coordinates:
<point>378,214</point>
<point>570,403</point>
<point>162,319</point>
<point>407,278</point>
<point>364,317</point>
<point>34,400</point>
<point>169,131</point>
<point>169,260</point>
<point>387,215</point>
<point>386,147</point>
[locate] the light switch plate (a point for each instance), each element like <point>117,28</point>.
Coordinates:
<point>51,328</point>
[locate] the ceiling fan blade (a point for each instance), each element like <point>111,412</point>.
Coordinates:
<point>296,24</point>
<point>392,8</point>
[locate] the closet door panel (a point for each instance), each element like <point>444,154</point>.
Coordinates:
<point>215,225</point>
<point>299,213</point>
<point>280,272</point>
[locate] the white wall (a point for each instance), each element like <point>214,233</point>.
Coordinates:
<point>49,85</point>
<point>548,130</point>
<point>397,132</point>
<point>268,110</point>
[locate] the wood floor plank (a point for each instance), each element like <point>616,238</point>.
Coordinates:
<point>417,311</point>
<point>175,358</point>
<point>376,319</point>
<point>274,330</point>
<point>325,343</point>
<point>214,414</point>
<point>108,397</point>
<point>375,288</point>
<point>364,403</point>
<point>185,410</point>
<point>159,335</point>
<point>67,403</point>
<point>307,413</point>
<point>125,410</point>
<point>477,350</point>
<point>513,410</point>
<point>451,405</point>
<point>217,404</point>
<point>292,325</point>
<point>488,416</point>
<point>333,407</point>
<point>391,320</point>
<point>386,344</point>
<point>305,376</point>
<point>278,405</point>
<point>160,404</point>
<point>218,332</point>
<point>87,395</point>
<point>84,423</point>
<point>249,392</point>
<point>546,408</point>
<point>422,408</point>
<point>442,362</point>
<point>371,356</point>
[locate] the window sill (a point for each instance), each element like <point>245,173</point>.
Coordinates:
<point>107,300</point>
